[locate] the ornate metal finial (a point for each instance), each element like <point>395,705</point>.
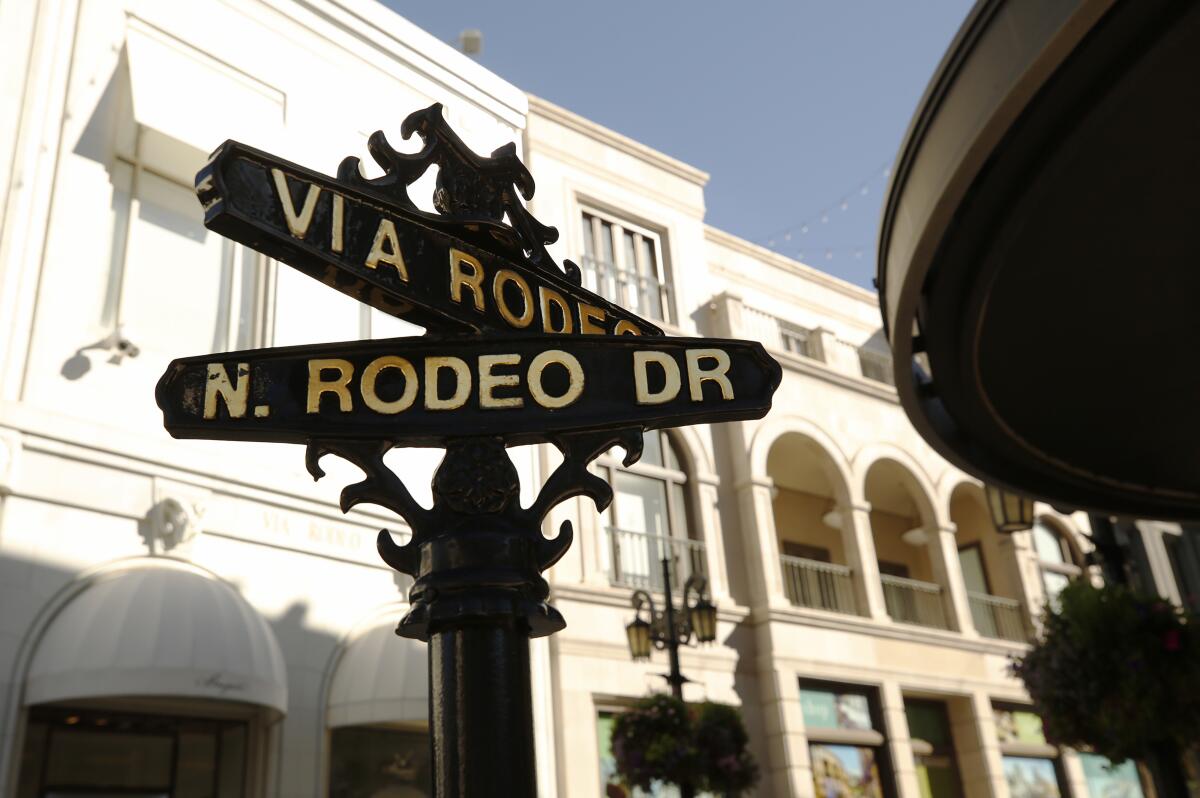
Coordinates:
<point>479,191</point>
<point>475,492</point>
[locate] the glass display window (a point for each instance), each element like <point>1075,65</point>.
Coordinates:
<point>379,762</point>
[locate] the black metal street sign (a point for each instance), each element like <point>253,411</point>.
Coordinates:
<point>367,239</point>
<point>424,391</point>
<point>517,352</point>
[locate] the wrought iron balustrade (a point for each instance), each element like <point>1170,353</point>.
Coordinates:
<point>998,617</point>
<point>913,601</point>
<point>820,585</point>
<point>634,559</point>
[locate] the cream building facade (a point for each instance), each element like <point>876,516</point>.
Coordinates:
<point>198,618</point>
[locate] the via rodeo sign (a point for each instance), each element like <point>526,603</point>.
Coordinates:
<point>516,347</point>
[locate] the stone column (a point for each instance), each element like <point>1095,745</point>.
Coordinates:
<point>758,520</point>
<point>943,556</point>
<point>899,741</point>
<point>859,542</point>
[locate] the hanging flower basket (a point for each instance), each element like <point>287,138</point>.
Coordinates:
<point>661,739</point>
<point>1115,672</point>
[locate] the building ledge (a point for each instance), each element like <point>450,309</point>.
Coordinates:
<point>886,629</point>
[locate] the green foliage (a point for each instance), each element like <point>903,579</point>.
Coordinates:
<point>721,741</point>
<point>1116,672</point>
<point>662,739</point>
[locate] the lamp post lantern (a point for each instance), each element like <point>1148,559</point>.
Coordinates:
<point>1011,512</point>
<point>672,628</point>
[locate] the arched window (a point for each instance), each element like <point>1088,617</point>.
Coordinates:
<point>1056,558</point>
<point>650,518</point>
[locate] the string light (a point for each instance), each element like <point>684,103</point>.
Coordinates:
<point>883,171</point>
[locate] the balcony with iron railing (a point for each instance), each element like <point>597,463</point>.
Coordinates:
<point>643,294</point>
<point>818,585</point>
<point>915,602</point>
<point>635,559</point>
<point>998,617</point>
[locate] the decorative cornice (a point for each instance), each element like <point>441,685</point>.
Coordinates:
<point>913,634</point>
<point>772,258</point>
<point>820,370</point>
<point>560,115</point>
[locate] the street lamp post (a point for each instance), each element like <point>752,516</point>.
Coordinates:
<point>671,629</point>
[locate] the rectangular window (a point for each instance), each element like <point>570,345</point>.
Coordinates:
<point>797,340</point>
<point>845,745</point>
<point>1031,766</point>
<point>624,264</point>
<point>1106,780</point>
<point>173,285</point>
<point>610,782</point>
<point>71,752</point>
<point>366,760</point>
<point>933,748</point>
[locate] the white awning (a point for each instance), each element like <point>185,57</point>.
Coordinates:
<point>381,678</point>
<point>159,630</point>
<point>193,99</point>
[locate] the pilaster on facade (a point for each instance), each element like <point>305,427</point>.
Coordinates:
<point>987,779</point>
<point>863,561</point>
<point>899,740</point>
<point>710,528</point>
<point>788,769</point>
<point>947,569</point>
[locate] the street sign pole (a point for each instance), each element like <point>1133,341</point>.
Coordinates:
<point>517,352</point>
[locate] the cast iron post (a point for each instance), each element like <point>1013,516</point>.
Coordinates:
<point>674,678</point>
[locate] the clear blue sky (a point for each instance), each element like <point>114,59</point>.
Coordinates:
<point>794,108</point>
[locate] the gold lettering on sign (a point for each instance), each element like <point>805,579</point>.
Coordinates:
<point>626,327</point>
<point>339,385</point>
<point>386,236</point>
<point>371,374</point>
<point>462,383</point>
<point>234,394</point>
<point>641,379</point>
<point>548,297</point>
<point>470,279</point>
<point>338,223</point>
<point>488,381</point>
<point>588,316</point>
<point>575,379</point>
<point>503,277</point>
<point>717,374</point>
<point>297,222</point>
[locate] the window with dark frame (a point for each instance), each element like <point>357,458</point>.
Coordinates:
<point>1032,767</point>
<point>75,752</point>
<point>933,748</point>
<point>846,743</point>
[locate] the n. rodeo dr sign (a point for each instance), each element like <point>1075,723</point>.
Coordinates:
<point>423,391</point>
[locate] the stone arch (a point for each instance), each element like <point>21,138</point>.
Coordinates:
<point>697,461</point>
<point>916,481</point>
<point>775,428</point>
